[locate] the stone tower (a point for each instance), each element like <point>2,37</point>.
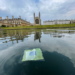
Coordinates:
<point>0,18</point>
<point>39,14</point>
<point>12,17</point>
<point>34,18</point>
<point>37,20</point>
<point>20,17</point>
<point>7,17</point>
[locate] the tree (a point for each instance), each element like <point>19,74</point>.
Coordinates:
<point>3,25</point>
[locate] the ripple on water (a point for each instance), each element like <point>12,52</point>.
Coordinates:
<point>8,56</point>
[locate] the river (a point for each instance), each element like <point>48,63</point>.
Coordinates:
<point>57,45</point>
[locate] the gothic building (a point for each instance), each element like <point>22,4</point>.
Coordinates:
<point>37,20</point>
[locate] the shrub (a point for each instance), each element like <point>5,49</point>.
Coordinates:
<point>3,25</point>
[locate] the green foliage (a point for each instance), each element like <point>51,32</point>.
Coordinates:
<point>43,26</point>
<point>3,25</point>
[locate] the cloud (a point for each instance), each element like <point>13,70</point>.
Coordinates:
<point>49,9</point>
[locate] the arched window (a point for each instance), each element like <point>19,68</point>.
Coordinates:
<point>37,21</point>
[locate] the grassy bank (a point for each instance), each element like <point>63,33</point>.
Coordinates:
<point>42,26</point>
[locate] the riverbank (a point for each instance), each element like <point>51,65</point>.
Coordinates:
<point>42,26</point>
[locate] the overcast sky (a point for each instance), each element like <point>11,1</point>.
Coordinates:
<point>49,9</point>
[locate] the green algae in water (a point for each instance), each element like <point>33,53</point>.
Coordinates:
<point>33,54</point>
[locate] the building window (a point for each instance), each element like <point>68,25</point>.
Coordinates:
<point>37,21</point>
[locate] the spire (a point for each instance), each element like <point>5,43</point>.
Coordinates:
<point>20,17</point>
<point>34,15</point>
<point>0,18</point>
<point>39,14</point>
<point>12,17</point>
<point>7,17</point>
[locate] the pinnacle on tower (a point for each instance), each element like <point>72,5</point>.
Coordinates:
<point>34,15</point>
<point>12,17</point>
<point>20,17</point>
<point>39,14</point>
<point>7,17</point>
<point>0,18</point>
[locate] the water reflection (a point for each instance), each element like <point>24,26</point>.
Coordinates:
<point>37,36</point>
<point>22,34</point>
<point>54,64</point>
<point>14,35</point>
<point>58,50</point>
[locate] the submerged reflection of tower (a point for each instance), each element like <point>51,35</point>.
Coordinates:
<point>19,37</point>
<point>37,36</point>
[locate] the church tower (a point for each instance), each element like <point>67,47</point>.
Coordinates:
<point>34,18</point>
<point>37,20</point>
<point>39,14</point>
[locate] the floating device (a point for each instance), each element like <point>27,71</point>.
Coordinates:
<point>33,54</point>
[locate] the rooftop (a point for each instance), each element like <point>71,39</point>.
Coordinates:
<point>57,20</point>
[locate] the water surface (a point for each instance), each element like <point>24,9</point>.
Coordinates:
<point>57,45</point>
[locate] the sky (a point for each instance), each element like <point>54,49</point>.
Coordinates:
<point>49,9</point>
